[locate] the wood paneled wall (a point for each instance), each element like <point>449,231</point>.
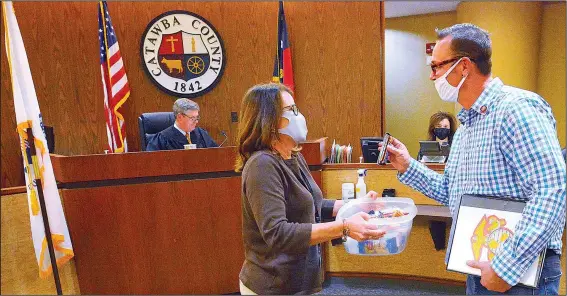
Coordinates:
<point>336,50</point>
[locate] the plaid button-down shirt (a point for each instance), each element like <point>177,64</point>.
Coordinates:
<point>506,146</point>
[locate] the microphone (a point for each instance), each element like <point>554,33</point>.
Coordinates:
<point>225,138</point>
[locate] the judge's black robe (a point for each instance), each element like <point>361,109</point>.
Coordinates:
<point>171,139</point>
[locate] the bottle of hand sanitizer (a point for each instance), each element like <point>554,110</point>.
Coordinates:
<point>360,185</point>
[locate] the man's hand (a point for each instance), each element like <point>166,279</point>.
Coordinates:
<point>488,278</point>
<point>398,155</point>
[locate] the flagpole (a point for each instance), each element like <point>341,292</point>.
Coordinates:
<point>44,214</point>
<point>280,49</point>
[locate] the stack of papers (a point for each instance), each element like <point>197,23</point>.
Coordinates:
<point>340,154</point>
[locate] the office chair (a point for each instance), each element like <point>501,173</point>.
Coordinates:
<point>151,124</point>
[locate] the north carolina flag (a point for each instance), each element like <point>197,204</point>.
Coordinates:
<point>283,72</point>
<point>37,164</point>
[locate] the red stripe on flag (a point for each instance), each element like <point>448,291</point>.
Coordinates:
<point>116,77</point>
<point>288,71</point>
<point>114,58</point>
<point>120,95</point>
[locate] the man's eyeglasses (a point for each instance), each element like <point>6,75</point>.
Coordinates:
<point>193,118</point>
<point>292,108</point>
<point>436,67</point>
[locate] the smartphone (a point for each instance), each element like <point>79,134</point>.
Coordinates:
<point>383,152</point>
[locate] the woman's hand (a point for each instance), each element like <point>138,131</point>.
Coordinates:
<point>371,194</point>
<point>360,229</point>
<point>339,203</point>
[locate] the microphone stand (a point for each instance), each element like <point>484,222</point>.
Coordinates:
<point>225,138</point>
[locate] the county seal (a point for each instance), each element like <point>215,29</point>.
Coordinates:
<point>183,54</point>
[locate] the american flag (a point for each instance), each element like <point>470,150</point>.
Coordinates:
<point>114,82</point>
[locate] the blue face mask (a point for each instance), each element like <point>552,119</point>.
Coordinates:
<point>297,127</point>
<point>441,133</point>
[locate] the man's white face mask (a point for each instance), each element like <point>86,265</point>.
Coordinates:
<point>447,92</point>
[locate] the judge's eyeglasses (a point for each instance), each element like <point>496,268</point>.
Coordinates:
<point>193,118</point>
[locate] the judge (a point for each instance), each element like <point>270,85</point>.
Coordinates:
<point>184,131</point>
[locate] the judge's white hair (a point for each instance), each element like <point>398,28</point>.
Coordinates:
<point>183,105</point>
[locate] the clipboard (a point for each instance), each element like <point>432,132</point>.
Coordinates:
<point>481,223</point>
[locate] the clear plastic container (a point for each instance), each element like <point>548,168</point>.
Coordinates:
<point>397,229</point>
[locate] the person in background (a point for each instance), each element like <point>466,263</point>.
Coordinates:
<point>282,207</point>
<point>183,131</point>
<point>442,127</point>
<point>506,146</point>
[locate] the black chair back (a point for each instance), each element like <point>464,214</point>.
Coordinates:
<point>50,138</point>
<point>370,149</point>
<point>151,124</point>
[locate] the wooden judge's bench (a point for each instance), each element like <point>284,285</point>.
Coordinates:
<point>166,222</point>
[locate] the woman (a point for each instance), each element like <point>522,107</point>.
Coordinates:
<point>282,206</point>
<point>442,127</point>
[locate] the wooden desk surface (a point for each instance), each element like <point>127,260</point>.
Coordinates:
<point>374,166</point>
<point>83,168</point>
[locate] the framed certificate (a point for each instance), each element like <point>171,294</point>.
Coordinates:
<point>482,224</point>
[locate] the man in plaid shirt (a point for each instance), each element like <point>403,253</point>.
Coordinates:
<point>506,146</point>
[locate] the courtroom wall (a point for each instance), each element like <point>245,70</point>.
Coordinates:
<point>411,97</point>
<point>336,50</point>
<point>552,69</point>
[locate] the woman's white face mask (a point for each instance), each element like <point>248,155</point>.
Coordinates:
<point>447,92</point>
<point>297,127</point>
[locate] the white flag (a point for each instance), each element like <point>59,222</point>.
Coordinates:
<point>37,164</point>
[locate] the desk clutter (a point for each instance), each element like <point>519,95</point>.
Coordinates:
<point>340,153</point>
